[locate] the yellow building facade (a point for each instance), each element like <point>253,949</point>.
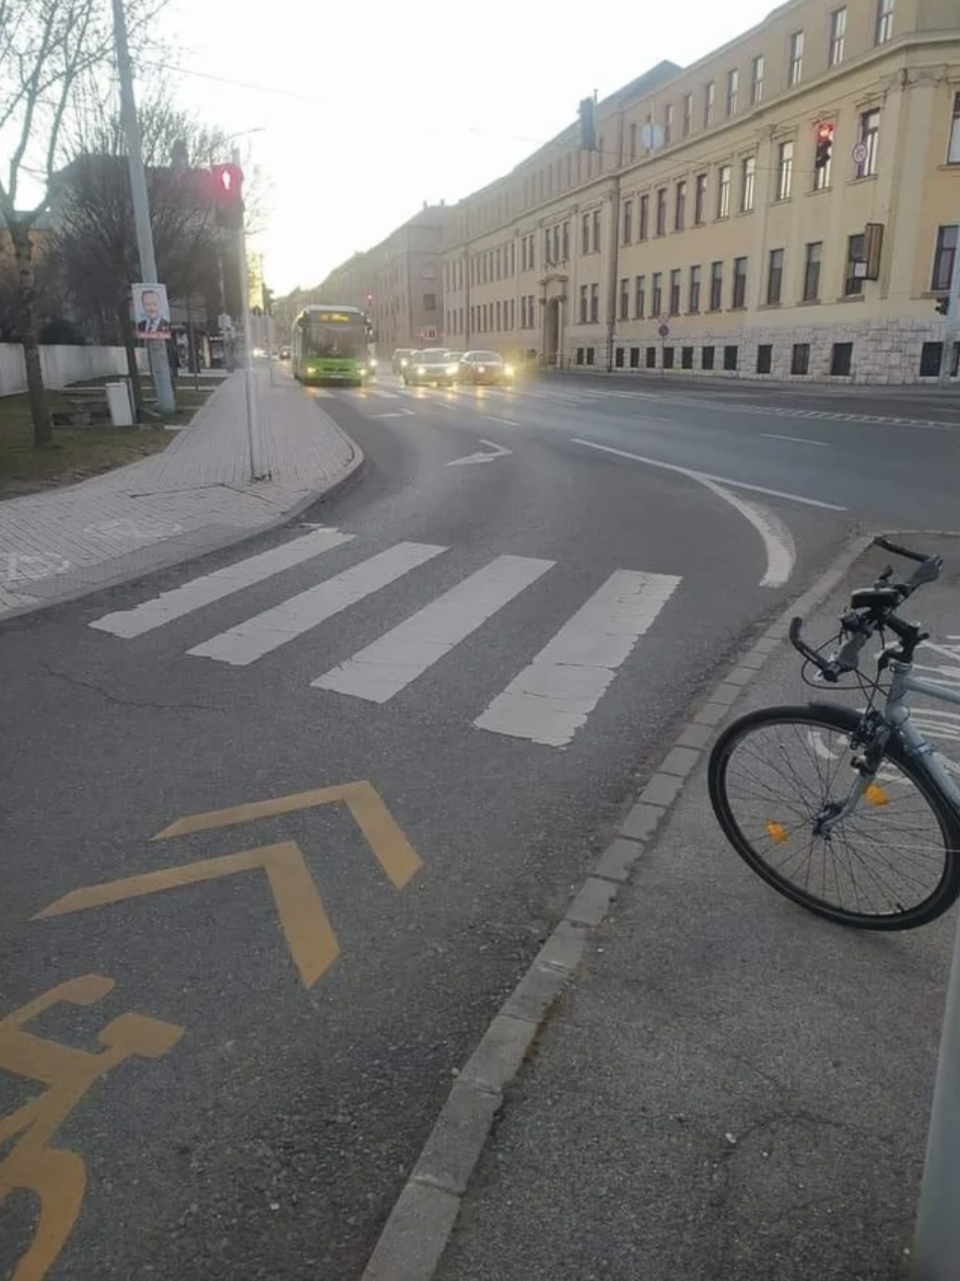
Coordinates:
<point>702,235</point>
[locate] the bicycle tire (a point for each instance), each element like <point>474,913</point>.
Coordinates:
<point>842,720</point>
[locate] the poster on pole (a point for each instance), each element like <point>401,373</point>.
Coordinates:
<point>151,311</point>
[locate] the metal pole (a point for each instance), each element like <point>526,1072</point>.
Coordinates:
<point>937,1245</point>
<point>159,360</point>
<point>951,328</point>
<point>268,340</point>
<point>253,423</point>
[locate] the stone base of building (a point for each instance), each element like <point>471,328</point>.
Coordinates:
<point>875,352</point>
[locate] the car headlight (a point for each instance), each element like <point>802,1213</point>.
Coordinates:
<point>508,370</point>
<point>481,369</point>
<point>403,363</point>
<point>452,369</point>
<point>373,364</point>
<point>420,370</point>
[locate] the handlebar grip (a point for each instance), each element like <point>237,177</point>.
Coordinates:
<point>897,550</point>
<point>800,645</point>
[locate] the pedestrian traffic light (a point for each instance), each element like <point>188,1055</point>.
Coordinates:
<point>227,182</point>
<point>588,125</point>
<point>943,306</point>
<point>824,145</point>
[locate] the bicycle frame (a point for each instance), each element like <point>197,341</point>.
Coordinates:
<point>896,714</point>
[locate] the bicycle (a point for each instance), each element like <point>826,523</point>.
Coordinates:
<point>809,819</point>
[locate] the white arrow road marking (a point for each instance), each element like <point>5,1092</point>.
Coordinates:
<point>777,539</point>
<point>480,457</point>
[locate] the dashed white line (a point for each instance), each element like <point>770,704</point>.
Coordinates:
<point>510,422</point>
<point>796,440</point>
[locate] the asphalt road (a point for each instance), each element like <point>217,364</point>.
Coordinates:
<point>310,1023</point>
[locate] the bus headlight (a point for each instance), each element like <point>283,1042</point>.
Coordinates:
<point>403,362</point>
<point>420,370</point>
<point>373,364</point>
<point>508,370</point>
<point>452,369</point>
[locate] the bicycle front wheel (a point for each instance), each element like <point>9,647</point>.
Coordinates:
<point>892,864</point>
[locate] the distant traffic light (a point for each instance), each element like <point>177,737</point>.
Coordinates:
<point>824,145</point>
<point>227,183</point>
<point>943,305</point>
<point>588,125</point>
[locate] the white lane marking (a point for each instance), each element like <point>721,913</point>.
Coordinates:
<point>796,440</point>
<point>702,475</point>
<point>404,653</point>
<point>552,698</point>
<point>222,582</point>
<point>384,395</point>
<point>480,457</point>
<point>510,422</point>
<point>257,636</point>
<point>398,413</point>
<point>777,539</point>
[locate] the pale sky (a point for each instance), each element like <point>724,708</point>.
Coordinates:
<point>367,110</point>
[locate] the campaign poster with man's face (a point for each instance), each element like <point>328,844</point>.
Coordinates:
<point>151,312</point>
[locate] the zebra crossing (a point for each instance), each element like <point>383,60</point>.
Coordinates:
<point>550,693</point>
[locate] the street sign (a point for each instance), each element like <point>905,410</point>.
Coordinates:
<point>225,323</point>
<point>664,331</point>
<point>859,152</point>
<point>151,311</point>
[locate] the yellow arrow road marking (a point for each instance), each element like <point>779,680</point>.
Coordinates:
<point>303,919</point>
<point>393,851</point>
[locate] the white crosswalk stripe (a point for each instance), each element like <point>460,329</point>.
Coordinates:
<point>223,582</point>
<point>384,668</point>
<point>552,698</point>
<point>547,703</point>
<point>257,636</point>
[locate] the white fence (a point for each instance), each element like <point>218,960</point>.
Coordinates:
<point>61,365</point>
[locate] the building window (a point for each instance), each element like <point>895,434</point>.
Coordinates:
<point>716,286</point>
<point>680,206</point>
<point>748,184</point>
<point>651,357</point>
<point>795,70</point>
<point>723,192</point>
<point>583,304</point>
<point>694,299</point>
<point>634,357</point>
<point>953,147</point>
<point>943,259</point>
<point>756,81</point>
<point>585,234</point>
<point>733,90</point>
<point>931,355</point>
<point>739,283</point>
<point>639,296</point>
<point>627,221</point>
<point>579,355</point>
<point>800,360</point>
<point>884,27</point>
<point>838,35</point>
<point>811,271</point>
<point>774,277</point>
<point>625,298</point>
<point>687,123</point>
<point>856,252</point>
<point>764,358</point>
<point>686,357</point>
<point>523,253</point>
<point>633,140</point>
<point>429,302</point>
<point>870,137</point>
<point>668,124</point>
<point>657,299</point>
<point>709,97</point>
<point>499,328</point>
<point>644,228</point>
<point>594,304</point>
<point>730,358</point>
<point>565,241</point>
<point>668,357</point>
<point>700,198</point>
<point>662,212</point>
<point>556,243</point>
<point>618,358</point>
<point>547,254</point>
<point>707,357</point>
<point>784,170</point>
<point>596,231</point>
<point>841,360</point>
<point>675,292</point>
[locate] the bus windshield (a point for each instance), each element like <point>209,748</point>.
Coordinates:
<point>324,336</point>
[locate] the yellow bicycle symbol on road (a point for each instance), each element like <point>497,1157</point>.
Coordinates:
<point>57,1176</point>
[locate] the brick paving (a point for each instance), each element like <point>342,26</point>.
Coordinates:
<point>194,496</point>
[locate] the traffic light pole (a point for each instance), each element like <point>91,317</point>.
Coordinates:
<point>951,329</point>
<point>253,418</point>
<point>159,359</point>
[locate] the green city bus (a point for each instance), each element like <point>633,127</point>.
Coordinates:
<point>332,344</point>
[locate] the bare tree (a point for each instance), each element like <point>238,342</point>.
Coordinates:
<point>49,51</point>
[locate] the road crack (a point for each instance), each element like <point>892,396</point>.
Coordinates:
<point>148,704</point>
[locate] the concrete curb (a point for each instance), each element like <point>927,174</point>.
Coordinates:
<point>422,1221</point>
<point>349,473</point>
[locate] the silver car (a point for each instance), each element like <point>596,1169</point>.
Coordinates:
<point>433,366</point>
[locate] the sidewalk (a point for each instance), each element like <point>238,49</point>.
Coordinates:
<point>729,1089</point>
<point>193,497</point>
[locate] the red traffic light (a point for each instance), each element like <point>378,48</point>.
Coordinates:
<point>228,182</point>
<point>824,145</point>
<point>825,132</point>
